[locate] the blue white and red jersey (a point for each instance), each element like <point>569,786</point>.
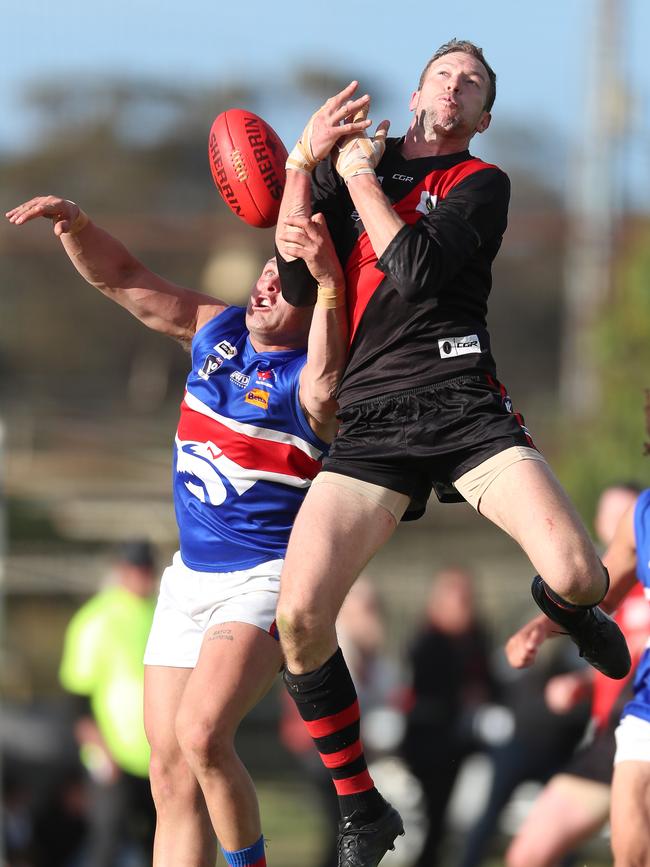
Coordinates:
<point>639,706</point>
<point>245,453</point>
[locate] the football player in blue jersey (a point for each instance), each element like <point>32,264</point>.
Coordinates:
<point>628,560</point>
<point>256,418</point>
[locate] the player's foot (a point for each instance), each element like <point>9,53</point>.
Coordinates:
<point>597,636</point>
<point>364,844</point>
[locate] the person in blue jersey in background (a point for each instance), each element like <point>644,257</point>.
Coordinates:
<point>256,418</point>
<point>628,560</point>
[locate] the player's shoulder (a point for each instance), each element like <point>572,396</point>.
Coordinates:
<point>485,172</point>
<point>231,319</point>
<point>481,182</point>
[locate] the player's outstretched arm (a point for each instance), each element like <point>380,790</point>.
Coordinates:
<point>522,647</point>
<point>106,264</point>
<point>309,239</point>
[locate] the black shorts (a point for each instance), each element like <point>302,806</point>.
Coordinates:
<point>424,439</point>
<point>594,761</point>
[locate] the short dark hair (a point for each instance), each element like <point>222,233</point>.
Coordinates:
<point>136,552</point>
<point>464,46</point>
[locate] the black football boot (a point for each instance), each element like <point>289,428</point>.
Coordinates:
<point>600,642</point>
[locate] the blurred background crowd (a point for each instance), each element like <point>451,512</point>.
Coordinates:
<point>89,403</point>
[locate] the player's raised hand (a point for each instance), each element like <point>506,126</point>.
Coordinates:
<point>522,647</point>
<point>325,127</point>
<point>359,154</point>
<point>67,217</point>
<point>308,238</point>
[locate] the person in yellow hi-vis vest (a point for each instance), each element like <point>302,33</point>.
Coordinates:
<point>102,666</point>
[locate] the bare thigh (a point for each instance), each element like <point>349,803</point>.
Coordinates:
<point>528,502</point>
<point>236,667</point>
<point>336,533</point>
<point>569,810</point>
<point>163,691</point>
<point>630,816</point>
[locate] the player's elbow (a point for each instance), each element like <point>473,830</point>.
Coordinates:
<point>320,402</point>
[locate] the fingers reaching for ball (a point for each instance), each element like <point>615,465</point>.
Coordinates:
<point>308,238</point>
<point>341,115</point>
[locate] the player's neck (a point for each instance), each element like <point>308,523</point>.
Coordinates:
<point>263,344</point>
<point>415,145</point>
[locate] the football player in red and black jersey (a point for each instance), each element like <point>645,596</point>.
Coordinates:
<point>417,222</point>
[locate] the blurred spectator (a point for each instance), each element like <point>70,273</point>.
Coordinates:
<point>102,666</point>
<point>61,820</point>
<point>17,822</point>
<point>451,681</point>
<point>361,634</point>
<point>540,743</point>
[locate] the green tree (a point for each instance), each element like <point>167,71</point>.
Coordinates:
<point>611,446</point>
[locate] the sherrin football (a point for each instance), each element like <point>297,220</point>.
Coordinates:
<point>247,161</point>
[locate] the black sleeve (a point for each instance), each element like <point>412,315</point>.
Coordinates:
<point>298,285</point>
<point>423,258</point>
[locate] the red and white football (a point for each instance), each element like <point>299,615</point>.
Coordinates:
<point>247,160</point>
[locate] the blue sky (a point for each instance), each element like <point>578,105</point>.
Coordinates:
<point>539,51</point>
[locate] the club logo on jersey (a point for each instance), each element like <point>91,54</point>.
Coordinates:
<point>428,203</point>
<point>450,347</point>
<point>258,397</point>
<point>203,467</point>
<point>265,377</point>
<point>225,349</point>
<point>211,365</point>
<point>241,380</point>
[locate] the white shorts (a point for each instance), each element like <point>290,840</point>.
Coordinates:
<point>190,602</point>
<point>632,740</point>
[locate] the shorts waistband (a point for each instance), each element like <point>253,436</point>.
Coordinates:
<point>420,389</point>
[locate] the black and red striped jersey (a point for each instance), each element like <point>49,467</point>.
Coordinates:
<point>418,314</point>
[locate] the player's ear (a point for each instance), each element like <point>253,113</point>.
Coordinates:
<point>484,122</point>
<point>414,100</point>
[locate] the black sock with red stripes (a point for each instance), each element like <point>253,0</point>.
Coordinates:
<point>327,701</point>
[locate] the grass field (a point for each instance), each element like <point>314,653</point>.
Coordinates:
<point>294,830</point>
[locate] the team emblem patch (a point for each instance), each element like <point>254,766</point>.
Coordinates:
<point>211,364</point>
<point>428,203</point>
<point>258,397</point>
<point>265,377</point>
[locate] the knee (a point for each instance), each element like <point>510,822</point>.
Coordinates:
<point>630,850</point>
<point>583,580</point>
<point>305,634</point>
<point>171,778</point>
<point>203,742</point>
<point>298,625</point>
